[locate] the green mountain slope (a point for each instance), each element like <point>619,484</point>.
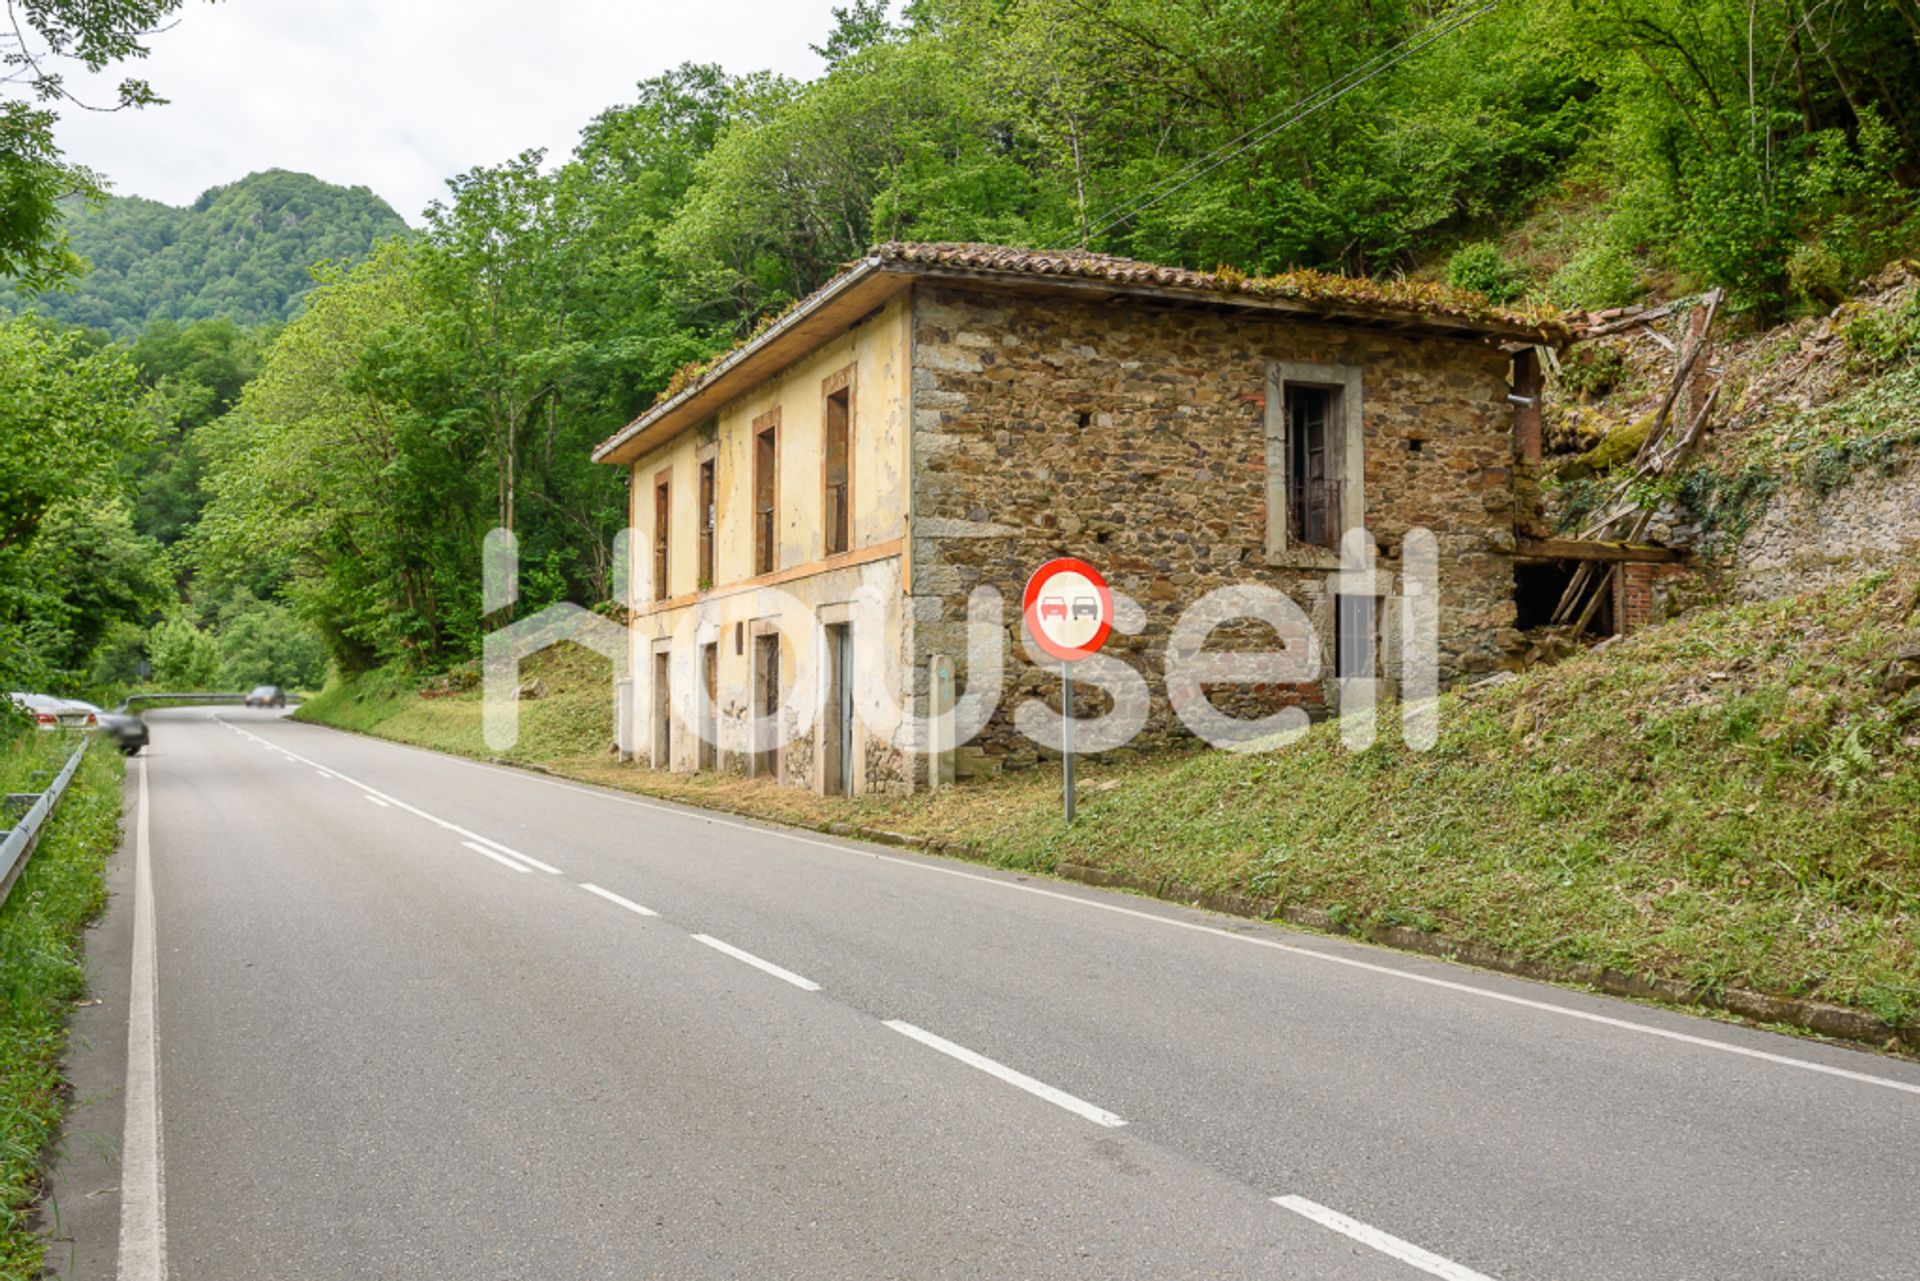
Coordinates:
<point>241,251</point>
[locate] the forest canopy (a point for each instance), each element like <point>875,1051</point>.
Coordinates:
<point>1576,152</point>
<point>242,252</point>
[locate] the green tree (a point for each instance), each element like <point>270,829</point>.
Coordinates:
<point>196,372</point>
<point>361,507</point>
<point>243,252</point>
<point>41,39</point>
<point>264,643</point>
<point>71,562</point>
<point>185,659</point>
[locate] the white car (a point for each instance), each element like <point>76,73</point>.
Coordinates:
<point>56,713</point>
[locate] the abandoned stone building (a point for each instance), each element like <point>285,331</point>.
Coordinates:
<point>814,509</point>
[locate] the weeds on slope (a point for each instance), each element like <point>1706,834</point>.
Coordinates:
<point>41,976</point>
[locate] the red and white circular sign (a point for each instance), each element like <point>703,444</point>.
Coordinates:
<point>1069,609</point>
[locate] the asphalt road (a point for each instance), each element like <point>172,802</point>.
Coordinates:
<point>423,1018</point>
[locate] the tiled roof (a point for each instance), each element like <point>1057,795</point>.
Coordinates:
<point>1396,303</point>
<point>1420,297</point>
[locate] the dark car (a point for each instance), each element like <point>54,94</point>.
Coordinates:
<point>267,696</point>
<point>128,732</point>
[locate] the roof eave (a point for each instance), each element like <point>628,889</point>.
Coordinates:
<point>1398,319</point>
<point>873,280</point>
<point>846,298</point>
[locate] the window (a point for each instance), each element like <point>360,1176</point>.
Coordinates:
<point>662,510</point>
<point>836,509</point>
<point>766,489</point>
<point>1356,636</point>
<point>1314,473</point>
<point>1313,495</point>
<point>709,518</point>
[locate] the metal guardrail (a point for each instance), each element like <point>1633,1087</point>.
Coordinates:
<point>17,847</point>
<point>127,702</point>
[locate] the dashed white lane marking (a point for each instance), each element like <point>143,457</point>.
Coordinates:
<point>1386,1243</point>
<point>1020,1080</point>
<point>501,859</point>
<point>143,1196</point>
<point>374,799</point>
<point>323,774</point>
<point>1255,940</point>
<point>513,853</point>
<point>472,840</point>
<point>788,976</point>
<point>611,897</point>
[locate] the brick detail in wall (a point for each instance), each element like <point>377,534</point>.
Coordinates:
<point>1636,594</point>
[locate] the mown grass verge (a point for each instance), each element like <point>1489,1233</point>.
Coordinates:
<point>1730,800</point>
<point>41,975</point>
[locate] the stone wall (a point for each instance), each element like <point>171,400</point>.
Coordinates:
<point>1805,540</point>
<point>1134,436</point>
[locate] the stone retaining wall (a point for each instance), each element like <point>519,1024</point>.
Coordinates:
<point>1805,540</point>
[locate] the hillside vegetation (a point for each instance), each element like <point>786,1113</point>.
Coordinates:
<point>1533,150</point>
<point>1732,799</point>
<point>243,252</point>
<point>41,973</point>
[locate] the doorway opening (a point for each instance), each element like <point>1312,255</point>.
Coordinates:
<point>662,709</point>
<point>836,730</point>
<point>1537,588</point>
<point>710,707</point>
<point>766,706</point>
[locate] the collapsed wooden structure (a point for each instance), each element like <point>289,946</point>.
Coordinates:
<point>1614,533</point>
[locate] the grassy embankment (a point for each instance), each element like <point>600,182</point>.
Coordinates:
<point>62,889</point>
<point>1730,799</point>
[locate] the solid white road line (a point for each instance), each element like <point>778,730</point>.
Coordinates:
<point>1039,1089</point>
<point>501,859</point>
<point>143,1214</point>
<point>1384,1242</point>
<point>805,985</point>
<point>929,864</point>
<point>611,897</point>
<point>375,799</point>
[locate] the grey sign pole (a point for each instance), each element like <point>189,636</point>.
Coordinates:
<point>1066,738</point>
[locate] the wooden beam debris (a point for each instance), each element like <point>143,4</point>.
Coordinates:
<point>1622,520</point>
<point>1597,550</point>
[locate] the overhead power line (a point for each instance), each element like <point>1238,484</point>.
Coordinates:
<point>1318,100</point>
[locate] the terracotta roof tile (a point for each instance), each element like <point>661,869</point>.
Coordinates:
<point>1420,297</point>
<point>1393,300</point>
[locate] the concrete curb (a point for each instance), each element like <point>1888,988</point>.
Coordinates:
<point>1836,1021</point>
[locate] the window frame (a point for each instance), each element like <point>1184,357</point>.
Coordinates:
<point>707,487</point>
<point>662,532</point>
<point>1345,457</point>
<point>837,384</point>
<point>766,555</point>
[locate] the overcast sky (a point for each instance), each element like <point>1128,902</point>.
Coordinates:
<point>399,96</point>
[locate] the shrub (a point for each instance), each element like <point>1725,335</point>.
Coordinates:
<point>1603,276</point>
<point>1593,371</point>
<point>1880,340</point>
<point>1736,234</point>
<point>1484,270</point>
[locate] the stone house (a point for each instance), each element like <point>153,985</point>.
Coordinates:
<point>813,509</point>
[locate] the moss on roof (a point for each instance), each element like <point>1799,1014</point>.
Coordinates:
<point>1315,288</point>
